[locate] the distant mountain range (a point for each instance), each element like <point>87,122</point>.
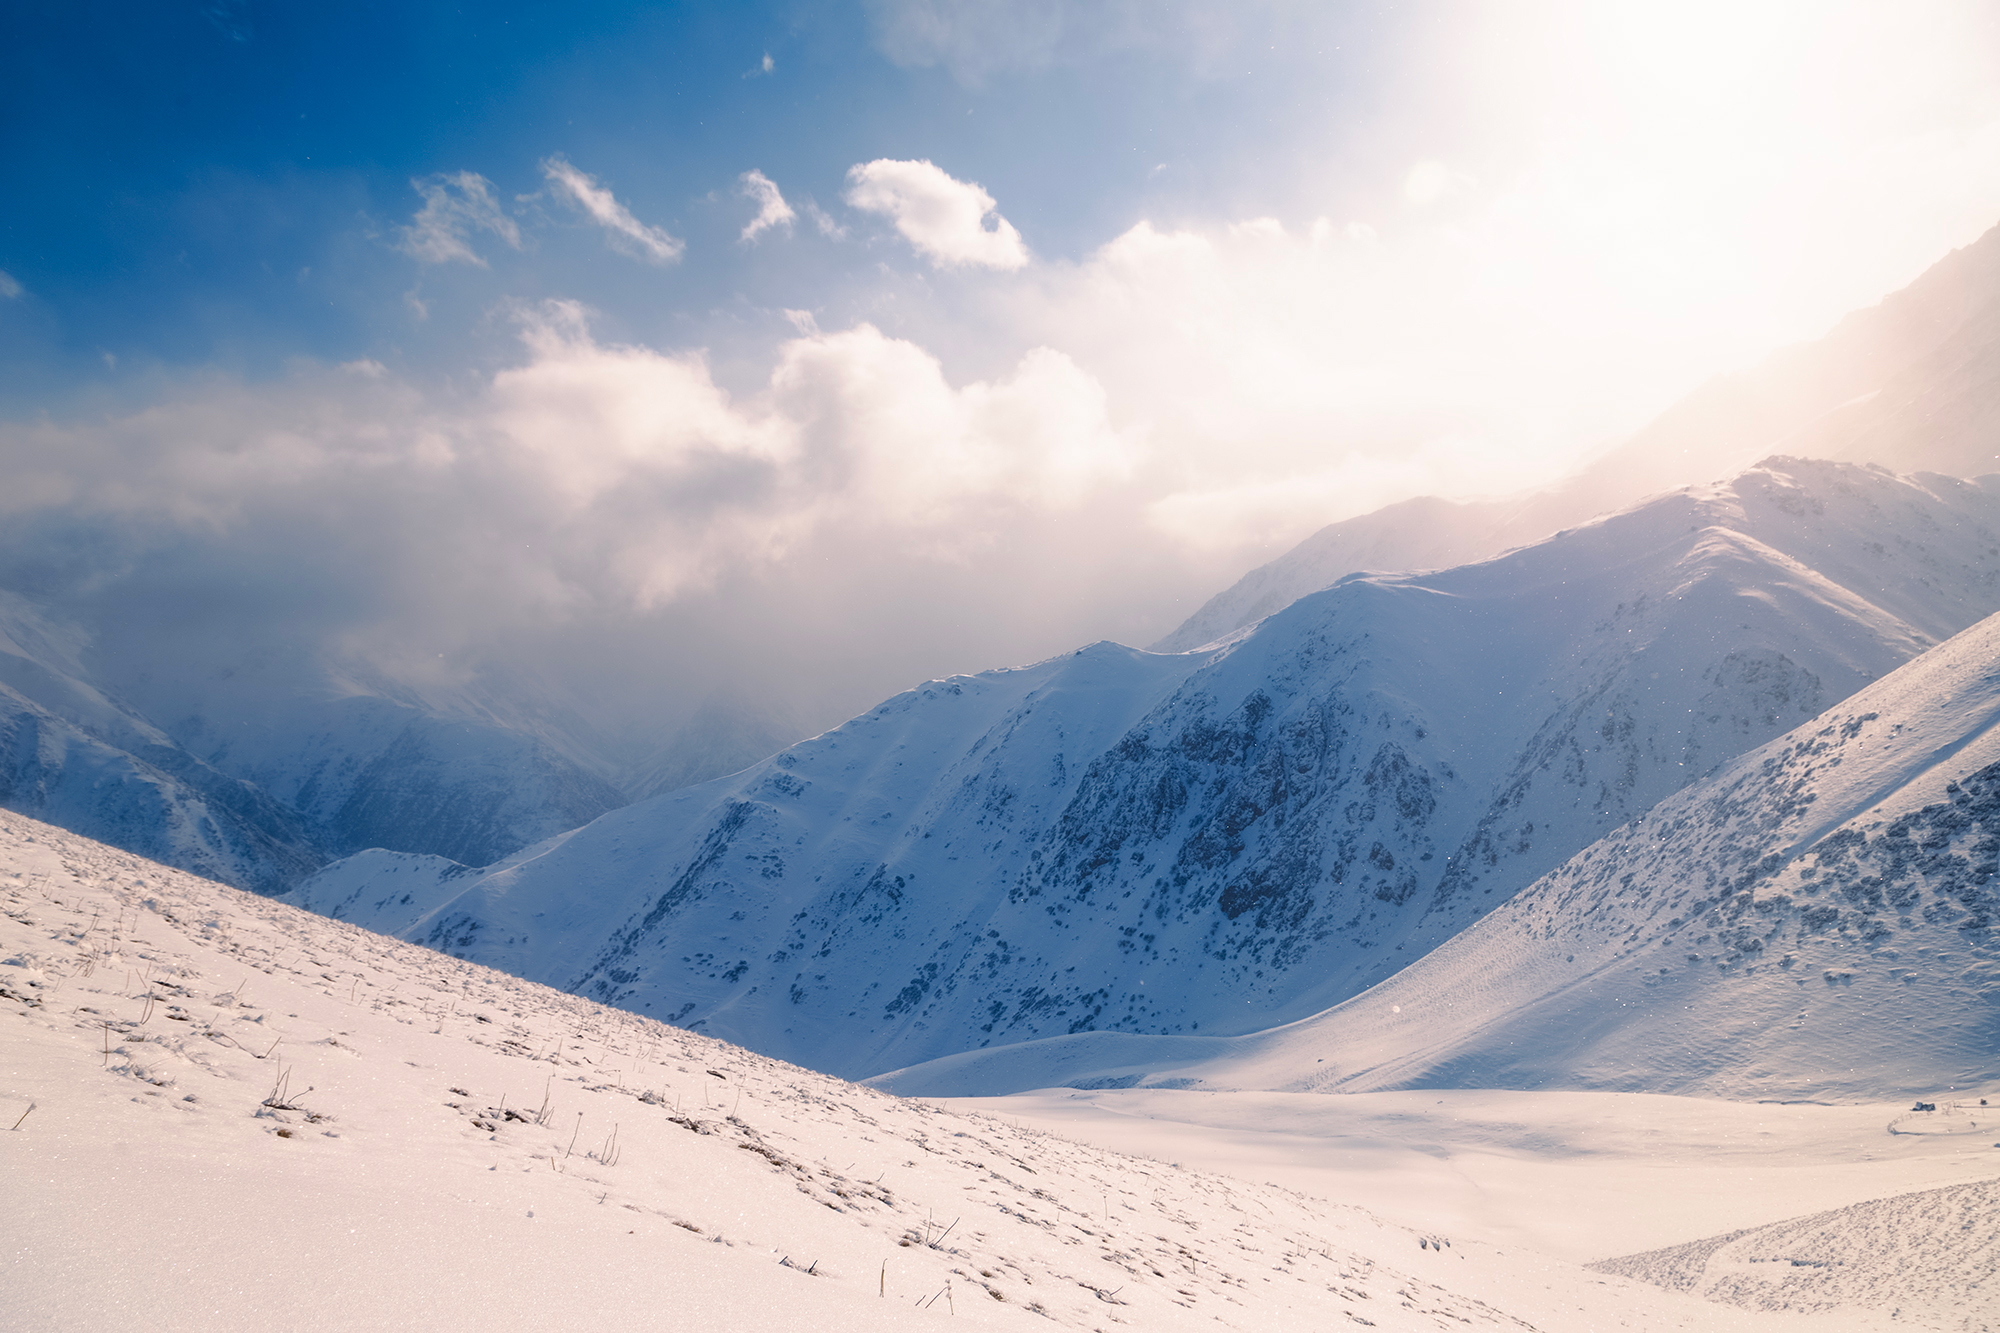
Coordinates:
<point>1215,842</point>
<point>1912,383</point>
<point>1341,790</point>
<point>262,766</point>
<point>258,775</point>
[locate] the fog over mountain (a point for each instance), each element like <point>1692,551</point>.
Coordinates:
<point>483,704</point>
<point>1912,383</point>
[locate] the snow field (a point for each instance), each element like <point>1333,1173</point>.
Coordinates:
<point>1580,1175</point>
<point>228,1113</point>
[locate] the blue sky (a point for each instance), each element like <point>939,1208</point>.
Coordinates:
<point>449,330</point>
<point>219,183</point>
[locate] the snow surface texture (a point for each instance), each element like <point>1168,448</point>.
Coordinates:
<point>218,1112</point>
<point>1931,1252</point>
<point>1573,1174</point>
<point>1214,842</point>
<point>1817,918</point>
<point>1912,383</point>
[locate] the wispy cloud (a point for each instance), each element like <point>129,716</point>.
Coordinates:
<point>828,228</point>
<point>652,244</point>
<point>9,286</point>
<point>772,210</point>
<point>944,218</point>
<point>455,206</point>
<point>231,18</point>
<point>978,39</point>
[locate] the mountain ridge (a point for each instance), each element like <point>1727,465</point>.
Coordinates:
<point>1910,383</point>
<point>1817,918</point>
<point>1210,842</point>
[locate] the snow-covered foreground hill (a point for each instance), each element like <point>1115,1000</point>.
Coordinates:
<point>1214,842</point>
<point>1819,917</point>
<point>218,1112</point>
<point>1884,1252</point>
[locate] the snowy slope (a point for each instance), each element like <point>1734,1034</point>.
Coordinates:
<point>71,755</point>
<point>260,776</point>
<point>470,769</point>
<point>220,1113</point>
<point>1422,533</point>
<point>366,771</point>
<point>1912,383</point>
<point>1816,919</point>
<point>1927,1255</point>
<point>1209,843</point>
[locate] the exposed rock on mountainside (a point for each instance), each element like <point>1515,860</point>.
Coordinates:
<point>1217,841</point>
<point>1819,918</point>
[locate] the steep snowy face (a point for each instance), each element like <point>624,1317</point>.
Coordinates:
<point>365,771</point>
<point>1822,916</point>
<point>74,756</point>
<point>261,793</point>
<point>1214,842</point>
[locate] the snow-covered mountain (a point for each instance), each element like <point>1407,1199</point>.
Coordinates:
<point>1213,842</point>
<point>258,786</point>
<point>1820,917</point>
<point>725,735</point>
<point>74,756</point>
<point>1912,383</point>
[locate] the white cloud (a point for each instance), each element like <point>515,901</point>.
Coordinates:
<point>615,473</point>
<point>652,244</point>
<point>1428,182</point>
<point>772,210</point>
<point>9,286</point>
<point>945,219</point>
<point>878,412</point>
<point>828,228</point>
<point>455,205</point>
